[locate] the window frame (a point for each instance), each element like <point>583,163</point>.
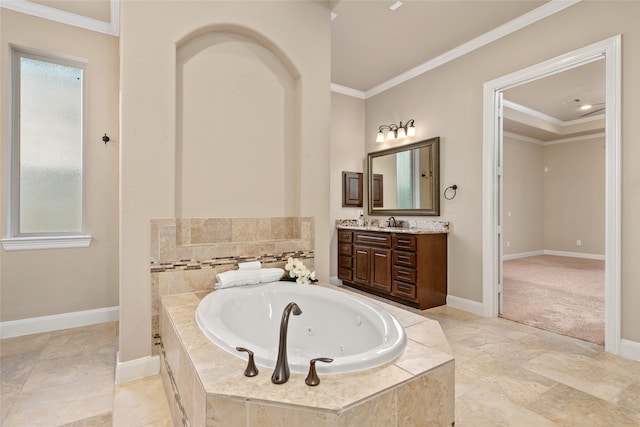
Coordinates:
<point>40,240</point>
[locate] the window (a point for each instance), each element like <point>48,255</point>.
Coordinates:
<point>46,142</point>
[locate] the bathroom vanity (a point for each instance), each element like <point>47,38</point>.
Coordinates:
<point>408,266</point>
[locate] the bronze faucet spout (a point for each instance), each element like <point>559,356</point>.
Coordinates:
<point>281,371</point>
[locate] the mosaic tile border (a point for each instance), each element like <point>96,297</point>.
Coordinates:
<point>228,261</point>
<point>174,240</point>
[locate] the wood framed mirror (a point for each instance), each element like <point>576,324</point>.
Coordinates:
<point>405,180</point>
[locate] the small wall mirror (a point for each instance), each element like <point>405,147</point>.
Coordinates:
<point>405,180</point>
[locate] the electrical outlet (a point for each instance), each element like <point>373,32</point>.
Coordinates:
<point>578,242</point>
<point>508,244</point>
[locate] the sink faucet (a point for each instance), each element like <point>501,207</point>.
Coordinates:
<point>392,222</point>
<point>281,371</point>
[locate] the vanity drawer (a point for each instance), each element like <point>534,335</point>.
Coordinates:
<point>406,259</point>
<point>404,242</point>
<point>404,274</point>
<point>372,239</point>
<point>345,249</point>
<point>345,274</point>
<point>404,290</point>
<point>345,236</point>
<point>345,262</point>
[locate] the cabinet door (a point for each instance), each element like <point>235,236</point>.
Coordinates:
<point>361,267</point>
<point>381,269</point>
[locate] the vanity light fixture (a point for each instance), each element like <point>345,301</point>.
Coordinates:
<point>396,131</point>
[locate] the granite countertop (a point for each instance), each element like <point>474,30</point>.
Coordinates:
<point>408,227</point>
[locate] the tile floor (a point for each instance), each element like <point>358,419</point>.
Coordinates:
<point>507,374</point>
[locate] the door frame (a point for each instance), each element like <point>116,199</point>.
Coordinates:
<point>610,50</point>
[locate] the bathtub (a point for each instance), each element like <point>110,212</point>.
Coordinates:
<point>356,334</point>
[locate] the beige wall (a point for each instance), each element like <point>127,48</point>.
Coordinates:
<point>447,102</point>
<point>236,129</point>
<point>551,210</point>
<point>347,154</point>
<point>298,33</point>
<point>523,193</point>
<point>37,283</point>
<point>574,197</point>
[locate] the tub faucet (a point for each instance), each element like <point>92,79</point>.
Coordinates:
<point>281,371</point>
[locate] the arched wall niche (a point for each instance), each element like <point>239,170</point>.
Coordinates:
<point>237,126</point>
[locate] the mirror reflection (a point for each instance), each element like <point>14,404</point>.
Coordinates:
<point>405,180</point>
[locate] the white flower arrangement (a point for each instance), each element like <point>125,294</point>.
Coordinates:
<point>298,271</point>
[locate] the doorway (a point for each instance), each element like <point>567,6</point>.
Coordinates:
<point>553,207</point>
<point>493,226</point>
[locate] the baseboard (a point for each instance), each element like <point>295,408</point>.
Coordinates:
<point>574,254</point>
<point>136,369</point>
<point>36,325</point>
<point>522,255</point>
<point>550,252</point>
<point>333,280</point>
<point>468,305</point>
<point>630,349</point>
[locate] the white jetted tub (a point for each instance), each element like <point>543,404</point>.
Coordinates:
<point>356,334</point>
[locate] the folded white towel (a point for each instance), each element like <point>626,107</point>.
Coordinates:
<point>270,274</point>
<point>232,278</point>
<point>250,265</point>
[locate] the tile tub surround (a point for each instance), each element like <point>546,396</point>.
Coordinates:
<point>416,389</point>
<point>197,239</point>
<point>187,253</point>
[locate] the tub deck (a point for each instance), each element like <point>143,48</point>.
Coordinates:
<point>416,389</point>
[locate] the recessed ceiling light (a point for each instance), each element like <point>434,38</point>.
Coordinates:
<point>586,107</point>
<point>395,5</point>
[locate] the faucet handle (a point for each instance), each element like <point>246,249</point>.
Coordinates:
<point>312,378</point>
<point>252,369</point>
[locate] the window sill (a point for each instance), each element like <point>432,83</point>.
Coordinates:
<point>45,242</point>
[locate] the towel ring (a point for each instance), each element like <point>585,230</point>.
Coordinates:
<point>453,188</point>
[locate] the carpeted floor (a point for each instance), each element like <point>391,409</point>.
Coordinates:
<point>558,294</point>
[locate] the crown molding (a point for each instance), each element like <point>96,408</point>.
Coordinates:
<point>347,91</point>
<point>548,9</point>
<point>576,138</point>
<point>522,138</point>
<point>35,9</point>
<point>533,113</point>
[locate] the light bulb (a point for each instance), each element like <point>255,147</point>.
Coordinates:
<point>380,137</point>
<point>411,131</point>
<point>391,134</point>
<point>401,133</point>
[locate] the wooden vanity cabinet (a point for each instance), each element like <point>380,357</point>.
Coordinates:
<point>345,255</point>
<point>408,268</point>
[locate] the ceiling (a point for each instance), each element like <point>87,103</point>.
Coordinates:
<point>372,44</point>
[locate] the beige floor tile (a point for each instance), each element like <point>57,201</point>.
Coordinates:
<point>513,382</point>
<point>141,403</point>
<point>64,370</point>
<point>481,407</point>
<point>582,373</point>
<point>62,404</point>
<point>24,344</point>
<point>570,407</point>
